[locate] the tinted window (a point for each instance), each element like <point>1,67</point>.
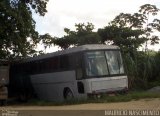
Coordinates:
<point>64,62</point>
<point>54,63</point>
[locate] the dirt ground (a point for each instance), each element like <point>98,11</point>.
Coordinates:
<point>92,109</point>
<point>139,104</point>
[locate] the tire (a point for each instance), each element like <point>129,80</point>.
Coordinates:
<point>68,95</point>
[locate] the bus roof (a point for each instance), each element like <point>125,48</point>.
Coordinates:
<point>73,50</point>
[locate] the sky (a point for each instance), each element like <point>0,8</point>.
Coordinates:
<point>66,13</point>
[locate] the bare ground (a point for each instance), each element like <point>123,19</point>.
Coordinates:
<point>91,109</point>
<point>139,104</point>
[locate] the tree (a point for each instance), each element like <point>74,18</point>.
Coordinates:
<point>83,35</point>
<point>124,37</point>
<point>130,31</point>
<point>141,20</point>
<point>18,37</point>
<point>47,40</point>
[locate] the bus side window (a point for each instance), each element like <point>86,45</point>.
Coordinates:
<point>54,64</point>
<point>79,71</point>
<point>64,62</point>
<point>75,63</point>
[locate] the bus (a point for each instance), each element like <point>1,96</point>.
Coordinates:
<point>76,72</point>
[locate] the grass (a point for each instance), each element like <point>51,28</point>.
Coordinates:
<point>104,99</point>
<point>154,83</point>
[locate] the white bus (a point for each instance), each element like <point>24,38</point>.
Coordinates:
<point>77,72</point>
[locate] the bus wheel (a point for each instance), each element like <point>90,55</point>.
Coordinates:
<point>68,95</point>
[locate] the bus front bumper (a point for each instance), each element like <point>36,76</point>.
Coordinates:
<point>109,91</point>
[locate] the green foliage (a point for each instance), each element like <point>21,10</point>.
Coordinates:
<point>149,9</point>
<point>157,66</point>
<point>18,37</point>
<point>143,70</point>
<point>83,35</point>
<point>47,40</point>
<point>135,20</point>
<point>153,26</point>
<point>125,37</point>
<point>39,6</point>
<point>129,31</point>
<point>131,69</point>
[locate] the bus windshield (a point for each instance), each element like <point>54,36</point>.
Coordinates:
<point>103,63</point>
